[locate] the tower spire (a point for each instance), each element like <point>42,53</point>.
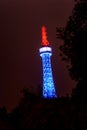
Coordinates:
<point>44,36</point>
<point>46,53</point>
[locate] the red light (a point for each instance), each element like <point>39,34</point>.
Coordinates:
<point>44,37</point>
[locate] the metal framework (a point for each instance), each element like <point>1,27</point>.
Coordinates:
<point>48,83</point>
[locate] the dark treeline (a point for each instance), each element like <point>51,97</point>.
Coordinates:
<point>63,113</point>
<point>34,112</point>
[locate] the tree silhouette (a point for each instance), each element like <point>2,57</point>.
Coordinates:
<point>74,48</point>
<point>74,36</point>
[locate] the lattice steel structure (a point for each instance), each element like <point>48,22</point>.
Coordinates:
<point>46,53</point>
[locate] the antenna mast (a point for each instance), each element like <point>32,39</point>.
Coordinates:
<point>44,37</point>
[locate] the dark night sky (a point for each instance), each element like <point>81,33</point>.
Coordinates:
<point>20,39</point>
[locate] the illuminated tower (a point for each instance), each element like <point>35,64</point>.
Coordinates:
<point>45,53</point>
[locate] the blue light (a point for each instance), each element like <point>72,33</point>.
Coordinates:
<point>48,83</point>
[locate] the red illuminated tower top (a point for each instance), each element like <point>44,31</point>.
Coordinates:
<point>44,36</point>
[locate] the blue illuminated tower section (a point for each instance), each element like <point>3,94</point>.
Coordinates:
<point>46,53</point>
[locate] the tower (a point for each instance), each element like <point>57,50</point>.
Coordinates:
<point>46,53</point>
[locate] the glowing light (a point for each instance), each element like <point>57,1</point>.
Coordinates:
<point>45,53</point>
<point>44,37</point>
<point>43,49</point>
<point>48,83</point>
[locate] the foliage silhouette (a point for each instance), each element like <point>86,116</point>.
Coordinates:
<point>74,36</point>
<point>74,49</point>
<point>37,113</point>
